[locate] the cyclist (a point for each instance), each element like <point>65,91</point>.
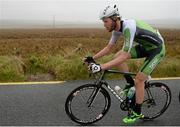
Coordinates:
<point>140,41</point>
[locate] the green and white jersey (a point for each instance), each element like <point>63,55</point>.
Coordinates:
<point>141,41</point>
<point>136,31</point>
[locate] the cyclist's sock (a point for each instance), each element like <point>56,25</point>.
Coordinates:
<point>137,108</point>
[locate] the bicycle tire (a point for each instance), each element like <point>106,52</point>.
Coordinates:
<point>71,96</point>
<point>167,92</point>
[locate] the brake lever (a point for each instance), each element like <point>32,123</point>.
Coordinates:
<point>90,74</point>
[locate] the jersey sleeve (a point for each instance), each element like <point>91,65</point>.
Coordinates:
<point>128,39</point>
<point>114,37</point>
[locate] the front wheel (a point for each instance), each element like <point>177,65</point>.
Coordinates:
<point>156,101</point>
<point>87,104</point>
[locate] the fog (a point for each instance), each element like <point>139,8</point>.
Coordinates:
<point>79,12</point>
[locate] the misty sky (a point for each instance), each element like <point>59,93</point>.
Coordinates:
<point>86,10</point>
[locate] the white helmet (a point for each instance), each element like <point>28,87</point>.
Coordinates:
<point>109,11</point>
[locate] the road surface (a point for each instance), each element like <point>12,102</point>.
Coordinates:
<point>38,104</point>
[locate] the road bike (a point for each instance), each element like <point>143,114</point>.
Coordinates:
<point>90,102</point>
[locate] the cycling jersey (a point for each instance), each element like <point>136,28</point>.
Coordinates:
<point>141,40</point>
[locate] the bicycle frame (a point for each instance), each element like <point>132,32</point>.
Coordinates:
<point>101,82</point>
<point>114,71</point>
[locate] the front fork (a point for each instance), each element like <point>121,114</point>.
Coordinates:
<point>94,94</point>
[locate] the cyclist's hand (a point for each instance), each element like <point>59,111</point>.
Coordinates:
<point>94,67</point>
<point>88,60</point>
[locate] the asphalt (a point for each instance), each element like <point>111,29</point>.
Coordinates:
<point>25,105</point>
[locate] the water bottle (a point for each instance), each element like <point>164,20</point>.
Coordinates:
<point>119,91</point>
<point>131,93</point>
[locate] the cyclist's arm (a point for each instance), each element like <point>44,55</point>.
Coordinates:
<point>128,40</point>
<point>129,36</point>
<point>118,60</point>
<point>104,51</point>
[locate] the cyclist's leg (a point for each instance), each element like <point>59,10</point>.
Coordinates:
<point>153,59</point>
<point>151,62</point>
<point>139,86</point>
<point>139,52</point>
<point>121,67</point>
<point>136,52</point>
<point>124,67</point>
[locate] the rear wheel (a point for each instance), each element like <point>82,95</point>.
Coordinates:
<point>87,104</point>
<point>156,101</point>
